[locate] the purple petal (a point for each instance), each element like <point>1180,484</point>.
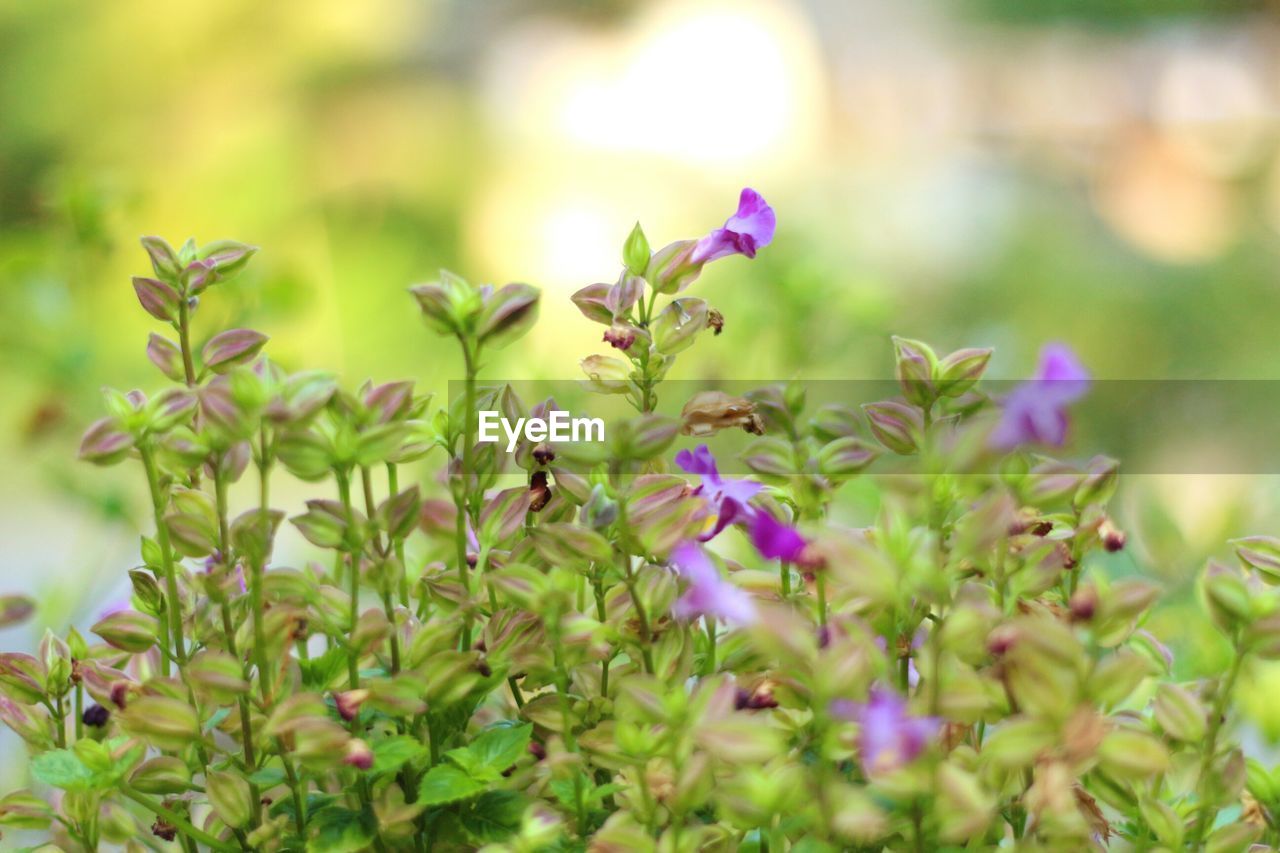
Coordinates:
<point>775,540</point>
<point>754,219</point>
<point>708,594</point>
<point>699,461</point>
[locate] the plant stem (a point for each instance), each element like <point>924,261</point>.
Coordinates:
<point>366,484</point>
<point>624,562</point>
<point>462,496</point>
<point>344,494</point>
<point>258,569</point>
<point>171,817</point>
<point>393,488</point>
<point>173,606</point>
<point>710,665</point>
<point>1226,686</point>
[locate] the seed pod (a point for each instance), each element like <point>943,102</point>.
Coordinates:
<point>128,630</point>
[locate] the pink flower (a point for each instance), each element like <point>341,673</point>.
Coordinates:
<point>888,736</point>
<point>707,593</point>
<point>1036,411</point>
<point>775,540</point>
<point>744,233</point>
<point>727,499</point>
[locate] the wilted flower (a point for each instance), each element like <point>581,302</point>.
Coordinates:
<point>889,737</point>
<point>95,715</point>
<point>358,754</point>
<point>726,498</point>
<point>1036,411</point>
<point>708,594</point>
<point>744,233</point>
<point>709,412</point>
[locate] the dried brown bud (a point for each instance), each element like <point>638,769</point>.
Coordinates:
<point>358,754</point>
<point>484,669</point>
<point>1042,528</point>
<point>708,412</point>
<point>537,750</point>
<point>544,454</point>
<point>1113,538</point>
<point>163,830</point>
<point>539,491</point>
<point>715,321</point>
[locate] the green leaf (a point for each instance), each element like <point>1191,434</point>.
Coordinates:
<point>501,746</point>
<point>319,673</point>
<point>390,754</point>
<point>61,768</point>
<point>493,817</point>
<point>445,783</point>
<point>268,777</point>
<point>341,831</point>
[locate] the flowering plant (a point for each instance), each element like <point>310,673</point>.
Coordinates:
<point>574,662</point>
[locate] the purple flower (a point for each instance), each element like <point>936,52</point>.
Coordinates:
<point>889,737</point>
<point>775,540</point>
<point>708,594</point>
<point>727,499</point>
<point>1036,411</point>
<point>744,233</point>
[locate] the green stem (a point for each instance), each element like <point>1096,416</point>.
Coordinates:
<point>1226,686</point>
<point>624,563</point>
<point>258,569</point>
<point>784,576</point>
<point>462,496</point>
<point>710,666</point>
<point>171,817</point>
<point>366,484</point>
<point>344,494</point>
<point>173,606</point>
<point>393,488</point>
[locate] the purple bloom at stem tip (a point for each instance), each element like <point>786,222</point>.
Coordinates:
<point>1035,412</point>
<point>727,499</point>
<point>744,233</point>
<point>708,594</point>
<point>775,540</point>
<point>889,737</point>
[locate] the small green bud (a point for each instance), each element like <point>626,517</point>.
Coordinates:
<point>1180,714</point>
<point>635,252</point>
<point>958,372</point>
<point>230,797</point>
<point>165,774</point>
<point>677,325</point>
<point>165,723</point>
<point>235,346</point>
<point>915,364</point>
<point>128,631</point>
<point>897,426</point>
<point>507,314</point>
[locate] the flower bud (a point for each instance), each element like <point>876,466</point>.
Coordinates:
<point>230,797</point>
<point>958,372</point>
<point>600,510</point>
<point>672,268</point>
<point>592,301</point>
<point>165,723</point>
<point>226,257</point>
<point>914,365</point>
<point>164,260</point>
<point>1260,553</point>
<point>165,355</point>
<point>348,703</point>
<point>449,305</point>
<point>128,631</point>
<point>770,456</point>
<point>1226,595</point>
<point>165,774</point>
<point>1180,714</point>
<point>644,436</point>
<point>844,457</point>
<point>15,609</point>
<point>607,375</point>
<point>169,409</point>
<point>897,426</point>
<point>1132,754</point>
<point>1099,484</point>
<point>158,299</point>
<point>635,252</point>
<point>227,349</point>
<point>105,442</point>
<point>217,675</point>
<point>507,314</point>
<point>358,754</point>
<point>677,325</point>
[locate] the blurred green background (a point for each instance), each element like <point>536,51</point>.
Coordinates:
<point>976,172</point>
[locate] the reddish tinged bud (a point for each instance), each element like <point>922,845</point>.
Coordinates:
<point>1113,539</point>
<point>96,716</point>
<point>484,669</point>
<point>481,646</point>
<point>472,559</point>
<point>761,701</point>
<point>715,321</point>
<point>358,754</point>
<point>543,454</point>
<point>741,698</point>
<point>620,336</point>
<point>120,693</point>
<point>1084,604</point>
<point>824,637</point>
<point>349,702</point>
<point>1001,640</point>
<point>162,830</point>
<point>537,750</point>
<point>1042,528</point>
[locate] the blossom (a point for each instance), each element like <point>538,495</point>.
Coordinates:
<point>726,498</point>
<point>775,540</point>
<point>744,233</point>
<point>708,594</point>
<point>1036,411</point>
<point>888,736</point>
